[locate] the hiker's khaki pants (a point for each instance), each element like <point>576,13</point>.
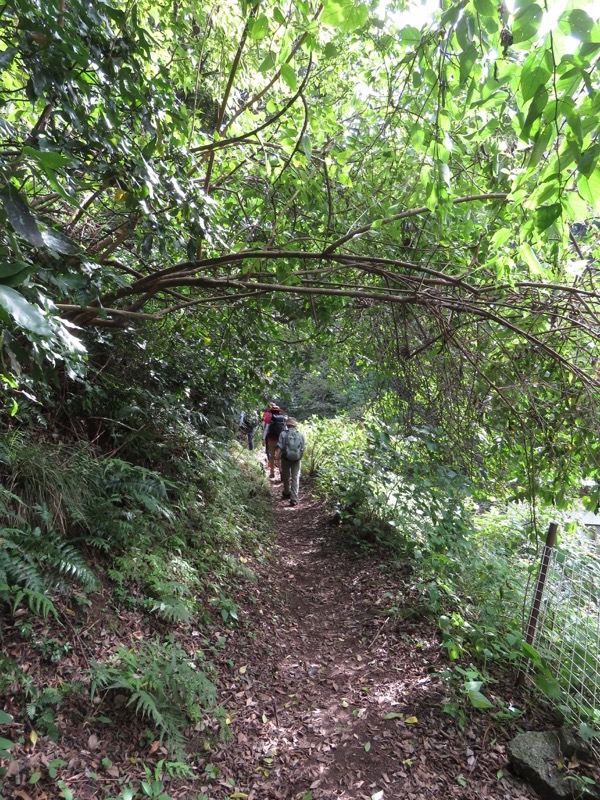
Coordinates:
<point>272,455</point>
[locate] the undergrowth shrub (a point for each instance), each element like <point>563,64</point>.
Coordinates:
<point>39,703</point>
<point>395,491</point>
<point>164,684</point>
<point>160,537</point>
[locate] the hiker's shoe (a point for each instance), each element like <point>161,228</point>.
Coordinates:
<point>285,496</point>
<point>293,502</point>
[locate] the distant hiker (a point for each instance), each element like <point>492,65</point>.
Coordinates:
<point>266,418</point>
<point>247,425</point>
<point>291,445</point>
<point>273,425</point>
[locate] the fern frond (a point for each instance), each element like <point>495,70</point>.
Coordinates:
<point>145,706</point>
<point>169,610</point>
<point>39,604</point>
<point>30,561</point>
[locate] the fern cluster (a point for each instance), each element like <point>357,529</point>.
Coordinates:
<point>162,581</point>
<point>56,499</point>
<point>165,685</point>
<point>32,561</point>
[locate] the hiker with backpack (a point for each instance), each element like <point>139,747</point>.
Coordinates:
<point>291,446</point>
<point>247,426</point>
<point>273,425</point>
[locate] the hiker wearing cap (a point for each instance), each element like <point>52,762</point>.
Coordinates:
<point>291,446</point>
<point>273,425</point>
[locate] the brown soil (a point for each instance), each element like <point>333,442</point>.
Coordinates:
<point>330,694</point>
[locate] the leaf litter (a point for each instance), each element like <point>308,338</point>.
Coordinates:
<point>327,696</point>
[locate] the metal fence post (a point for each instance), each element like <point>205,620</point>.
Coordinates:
<point>539,590</point>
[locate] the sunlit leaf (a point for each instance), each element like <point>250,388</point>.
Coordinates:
<point>578,23</point>
<point>535,72</point>
<point>526,23</point>
<point>479,700</point>
<point>289,76</point>
<point>344,14</point>
<point>267,63</point>
<point>259,27</point>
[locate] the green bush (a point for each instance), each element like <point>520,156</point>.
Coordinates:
<point>397,491</point>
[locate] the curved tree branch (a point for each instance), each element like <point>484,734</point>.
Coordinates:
<point>413,212</point>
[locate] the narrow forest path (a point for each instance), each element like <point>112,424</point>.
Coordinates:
<point>332,697</point>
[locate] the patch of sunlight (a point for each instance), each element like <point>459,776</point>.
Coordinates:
<point>389,692</point>
<point>416,14</point>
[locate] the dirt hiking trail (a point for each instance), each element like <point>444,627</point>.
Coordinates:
<point>333,696</point>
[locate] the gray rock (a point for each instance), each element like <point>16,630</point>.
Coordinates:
<point>536,756</point>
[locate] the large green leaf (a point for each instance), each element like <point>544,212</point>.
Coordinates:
<point>57,241</point>
<point>535,110</point>
<point>536,71</point>
<point>546,215</point>
<point>24,313</point>
<point>259,27</point>
<point>578,23</point>
<point>289,76</point>
<point>20,217</point>
<point>479,700</point>
<point>49,159</point>
<point>467,60</point>
<point>526,23</point>
<point>13,273</point>
<point>344,14</point>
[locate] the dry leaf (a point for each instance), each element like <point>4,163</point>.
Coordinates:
<point>92,742</point>
<point>13,769</point>
<point>411,720</point>
<point>243,669</point>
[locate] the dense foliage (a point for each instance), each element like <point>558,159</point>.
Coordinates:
<point>420,199</point>
<point>205,206</point>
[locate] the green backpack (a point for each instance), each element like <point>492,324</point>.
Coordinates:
<point>294,446</point>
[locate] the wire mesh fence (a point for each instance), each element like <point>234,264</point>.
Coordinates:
<point>567,634</point>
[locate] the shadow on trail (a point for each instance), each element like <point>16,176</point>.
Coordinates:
<point>335,696</point>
